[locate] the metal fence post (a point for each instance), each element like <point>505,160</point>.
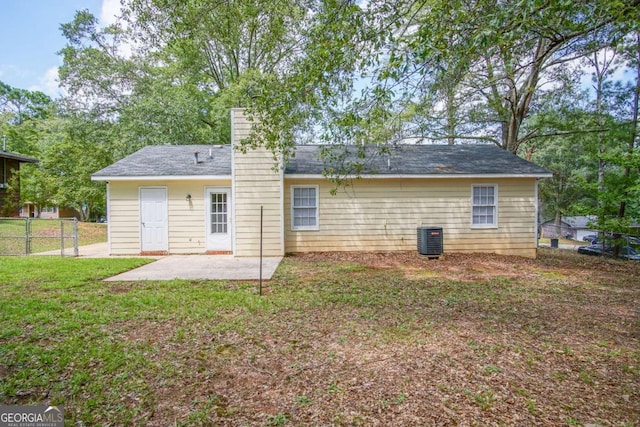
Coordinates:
<point>27,240</point>
<point>261,222</point>
<point>62,238</point>
<point>75,237</point>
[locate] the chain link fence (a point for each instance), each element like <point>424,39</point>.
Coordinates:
<point>27,236</point>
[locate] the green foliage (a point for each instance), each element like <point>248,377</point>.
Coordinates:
<point>311,101</point>
<point>70,148</point>
<point>303,400</point>
<point>108,82</point>
<point>21,115</point>
<point>342,74</point>
<point>69,160</point>
<point>36,186</point>
<point>566,154</point>
<point>485,399</point>
<point>277,420</point>
<point>591,146</point>
<point>439,71</point>
<point>168,72</point>
<point>22,104</point>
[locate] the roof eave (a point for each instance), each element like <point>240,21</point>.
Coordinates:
<point>424,176</point>
<point>160,178</point>
<point>20,158</point>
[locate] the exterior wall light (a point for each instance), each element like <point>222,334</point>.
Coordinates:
<point>188,198</point>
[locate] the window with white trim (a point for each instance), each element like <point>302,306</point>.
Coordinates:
<point>484,205</point>
<point>304,207</point>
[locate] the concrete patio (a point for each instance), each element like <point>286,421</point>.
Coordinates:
<point>205,267</point>
<point>190,267</point>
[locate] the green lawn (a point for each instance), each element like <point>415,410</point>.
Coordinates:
<point>372,339</point>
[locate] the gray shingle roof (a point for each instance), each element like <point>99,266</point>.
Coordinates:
<point>172,160</point>
<point>423,160</point>
<point>579,221</point>
<point>406,160</point>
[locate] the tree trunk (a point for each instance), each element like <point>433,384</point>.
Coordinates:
<point>600,75</point>
<point>558,223</point>
<point>634,128</point>
<point>451,116</point>
<point>518,100</point>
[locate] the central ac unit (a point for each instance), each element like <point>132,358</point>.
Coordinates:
<point>430,241</point>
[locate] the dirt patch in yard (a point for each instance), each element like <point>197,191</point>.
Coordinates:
<point>348,339</point>
<point>470,267</point>
<point>396,339</point>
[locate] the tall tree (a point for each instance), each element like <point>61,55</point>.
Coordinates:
<point>592,148</point>
<point>21,114</point>
<point>421,59</point>
<point>515,49</point>
<point>563,148</point>
<point>216,42</point>
<point>631,160</point>
<point>72,150</point>
<point>107,79</point>
<point>23,104</point>
<point>168,72</point>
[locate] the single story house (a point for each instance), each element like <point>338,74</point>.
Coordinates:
<point>10,167</point>
<point>182,199</point>
<point>571,227</point>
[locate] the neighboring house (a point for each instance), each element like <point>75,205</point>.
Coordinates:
<point>571,227</point>
<point>10,167</point>
<point>28,209</point>
<point>57,212</point>
<point>162,200</point>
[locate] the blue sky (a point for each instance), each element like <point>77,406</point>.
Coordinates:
<point>30,36</point>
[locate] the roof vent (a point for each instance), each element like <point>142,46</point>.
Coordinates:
<point>195,157</point>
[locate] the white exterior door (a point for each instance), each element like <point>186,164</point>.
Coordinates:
<point>153,219</point>
<point>218,218</point>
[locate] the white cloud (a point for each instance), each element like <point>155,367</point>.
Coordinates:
<point>110,11</point>
<point>49,83</point>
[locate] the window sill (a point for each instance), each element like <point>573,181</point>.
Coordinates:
<point>484,227</point>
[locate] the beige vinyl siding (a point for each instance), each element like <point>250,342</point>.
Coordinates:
<point>186,221</point>
<point>256,184</point>
<point>124,218</point>
<point>383,214</point>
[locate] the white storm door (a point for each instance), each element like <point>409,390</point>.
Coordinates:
<point>218,206</point>
<point>153,219</point>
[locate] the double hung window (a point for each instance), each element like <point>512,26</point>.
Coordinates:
<point>304,207</point>
<point>484,202</point>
